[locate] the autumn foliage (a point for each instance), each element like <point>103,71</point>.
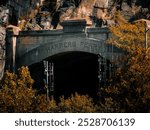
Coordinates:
<point>77,103</point>
<point>17,95</point>
<point>130,89</point>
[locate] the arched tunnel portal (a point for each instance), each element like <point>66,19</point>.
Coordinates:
<point>73,72</point>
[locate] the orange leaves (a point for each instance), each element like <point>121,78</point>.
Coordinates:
<point>127,34</point>
<point>44,105</point>
<point>131,89</point>
<point>24,77</point>
<point>76,103</point>
<point>17,95</point>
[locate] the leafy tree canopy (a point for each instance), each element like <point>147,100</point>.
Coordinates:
<point>130,89</point>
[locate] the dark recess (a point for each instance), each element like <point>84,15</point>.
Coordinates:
<point>74,72</point>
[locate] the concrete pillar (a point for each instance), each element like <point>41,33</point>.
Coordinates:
<point>11,41</point>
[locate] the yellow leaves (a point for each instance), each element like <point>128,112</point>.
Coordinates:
<point>110,106</point>
<point>146,89</point>
<point>76,103</point>
<point>127,34</point>
<point>44,105</point>
<point>119,18</point>
<point>131,89</point>
<point>24,77</point>
<point>17,95</point>
<point>113,89</point>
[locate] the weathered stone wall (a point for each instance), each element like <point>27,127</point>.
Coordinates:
<point>34,46</point>
<point>2,50</point>
<point>3,22</point>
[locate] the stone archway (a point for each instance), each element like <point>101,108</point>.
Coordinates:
<point>73,72</point>
<point>29,54</point>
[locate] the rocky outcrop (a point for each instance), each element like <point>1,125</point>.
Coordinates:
<point>3,22</point>
<point>47,14</point>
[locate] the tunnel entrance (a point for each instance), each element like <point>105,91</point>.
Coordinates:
<point>73,72</point>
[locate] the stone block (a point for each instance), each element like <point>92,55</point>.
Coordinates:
<point>74,26</point>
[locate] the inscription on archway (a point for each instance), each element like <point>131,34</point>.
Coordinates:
<point>87,46</point>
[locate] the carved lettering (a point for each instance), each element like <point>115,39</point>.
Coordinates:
<point>62,45</point>
<point>92,47</point>
<point>74,44</point>
<point>52,46</point>
<point>56,46</point>
<point>84,45</point>
<point>69,44</point>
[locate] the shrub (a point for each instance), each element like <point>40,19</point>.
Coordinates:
<point>16,93</point>
<point>77,103</point>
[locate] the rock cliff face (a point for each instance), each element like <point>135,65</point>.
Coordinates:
<point>47,14</point>
<point>3,22</point>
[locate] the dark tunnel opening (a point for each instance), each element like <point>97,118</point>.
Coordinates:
<point>73,72</point>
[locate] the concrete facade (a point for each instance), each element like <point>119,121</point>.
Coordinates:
<point>31,47</point>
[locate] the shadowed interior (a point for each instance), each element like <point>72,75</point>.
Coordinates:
<point>73,72</point>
